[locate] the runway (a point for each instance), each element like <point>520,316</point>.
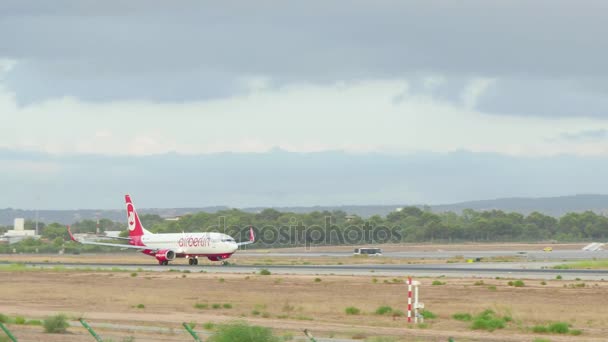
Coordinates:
<point>527,270</point>
<point>524,254</point>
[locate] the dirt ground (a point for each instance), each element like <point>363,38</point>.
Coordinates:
<point>289,304</point>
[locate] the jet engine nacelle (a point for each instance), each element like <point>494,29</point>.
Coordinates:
<point>165,255</point>
<point>219,257</point>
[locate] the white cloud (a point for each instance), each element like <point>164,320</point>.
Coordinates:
<point>352,116</point>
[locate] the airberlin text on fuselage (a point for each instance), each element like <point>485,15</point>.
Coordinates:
<point>194,242</point>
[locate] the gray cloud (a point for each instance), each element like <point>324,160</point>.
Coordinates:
<point>283,178</point>
<point>102,51</point>
<point>590,135</point>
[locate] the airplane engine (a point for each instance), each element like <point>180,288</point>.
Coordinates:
<point>219,257</point>
<point>165,255</point>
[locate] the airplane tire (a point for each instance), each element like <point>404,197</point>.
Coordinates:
<point>165,262</point>
<point>196,261</point>
<point>190,261</point>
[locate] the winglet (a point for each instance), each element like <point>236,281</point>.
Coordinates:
<point>251,235</point>
<point>71,236</point>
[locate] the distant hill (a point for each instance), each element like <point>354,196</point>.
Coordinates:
<point>553,206</point>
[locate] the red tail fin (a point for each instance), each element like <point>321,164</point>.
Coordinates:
<point>135,226</point>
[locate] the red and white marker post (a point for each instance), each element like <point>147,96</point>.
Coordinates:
<point>413,307</point>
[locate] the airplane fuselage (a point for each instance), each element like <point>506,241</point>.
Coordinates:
<point>190,244</point>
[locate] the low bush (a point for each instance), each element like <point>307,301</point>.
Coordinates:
<point>264,271</point>
<point>427,314</point>
<point>517,283</point>
<point>540,329</point>
<point>4,318</point>
<point>208,326</point>
<point>216,306</point>
<point>559,328</point>
<point>141,306</point>
<point>488,320</point>
<point>437,283</point>
<point>34,322</point>
<point>57,324</point>
<point>351,310</point>
<point>242,332</point>
<point>227,306</point>
<point>465,317</point>
<point>201,306</point>
<point>383,310</point>
<point>317,280</point>
<point>20,320</point>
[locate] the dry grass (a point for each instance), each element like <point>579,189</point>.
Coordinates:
<point>291,302</point>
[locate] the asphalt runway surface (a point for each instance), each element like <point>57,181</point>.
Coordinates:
<point>526,270</point>
<point>440,254</point>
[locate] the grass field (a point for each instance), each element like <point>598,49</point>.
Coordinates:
<point>289,304</point>
<point>584,265</point>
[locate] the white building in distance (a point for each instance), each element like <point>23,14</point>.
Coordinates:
<point>19,232</point>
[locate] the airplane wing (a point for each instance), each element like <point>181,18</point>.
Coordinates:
<point>84,242</point>
<point>251,238</point>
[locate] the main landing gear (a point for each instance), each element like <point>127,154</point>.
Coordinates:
<point>193,261</point>
<point>164,262</point>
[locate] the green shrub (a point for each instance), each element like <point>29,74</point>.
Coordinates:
<point>20,320</point>
<point>134,274</point>
<point>559,277</point>
<point>383,310</point>
<point>559,328</point>
<point>478,283</point>
<point>317,280</point>
<point>201,306</point>
<point>4,318</point>
<point>208,326</point>
<point>242,332</point>
<point>465,317</point>
<point>428,314</point>
<point>351,310</point>
<point>543,282</point>
<point>216,306</point>
<point>517,283</point>
<point>576,332</point>
<point>540,329</point>
<point>255,312</point>
<point>264,271</point>
<point>141,306</point>
<point>538,339</point>
<point>227,306</point>
<point>34,322</point>
<point>57,324</point>
<point>492,288</point>
<point>487,320</point>
<point>437,283</point>
<point>488,324</point>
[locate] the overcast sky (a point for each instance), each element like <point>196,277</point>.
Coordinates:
<point>518,79</point>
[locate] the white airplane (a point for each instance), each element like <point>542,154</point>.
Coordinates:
<point>167,247</point>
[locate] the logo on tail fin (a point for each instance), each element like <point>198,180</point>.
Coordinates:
<point>131,217</point>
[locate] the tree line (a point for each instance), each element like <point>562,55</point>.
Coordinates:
<point>410,224</point>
